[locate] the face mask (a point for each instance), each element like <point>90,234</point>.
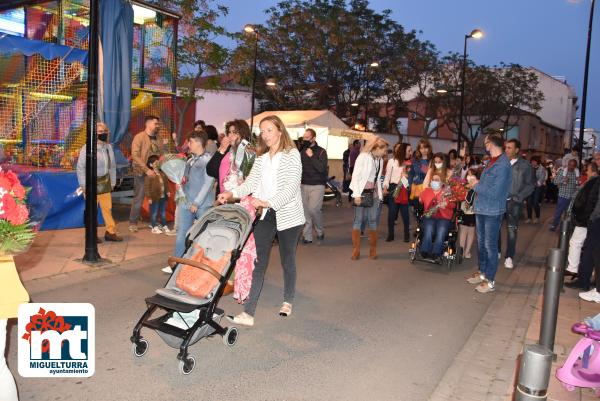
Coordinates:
<point>436,185</point>
<point>438,165</point>
<point>103,137</point>
<point>470,178</point>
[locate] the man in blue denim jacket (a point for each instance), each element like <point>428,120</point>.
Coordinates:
<point>490,205</point>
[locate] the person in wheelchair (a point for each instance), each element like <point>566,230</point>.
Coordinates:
<point>438,210</point>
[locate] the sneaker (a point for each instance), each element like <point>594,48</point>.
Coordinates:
<point>286,309</point>
<point>508,263</point>
<point>475,278</point>
<point>167,270</point>
<point>242,319</point>
<point>307,241</point>
<point>528,221</point>
<point>156,230</point>
<point>590,296</point>
<point>133,228</point>
<point>166,230</point>
<point>486,286</point>
<point>535,221</point>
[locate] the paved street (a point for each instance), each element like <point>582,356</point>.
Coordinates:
<point>378,330</point>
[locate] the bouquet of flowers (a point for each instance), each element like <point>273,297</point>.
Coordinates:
<point>173,165</point>
<point>242,161</point>
<point>16,232</point>
<point>454,191</point>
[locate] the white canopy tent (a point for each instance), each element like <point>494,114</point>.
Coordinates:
<point>332,133</point>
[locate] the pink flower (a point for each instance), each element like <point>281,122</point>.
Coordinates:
<point>19,216</point>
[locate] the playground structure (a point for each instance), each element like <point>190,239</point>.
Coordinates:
<point>43,96</point>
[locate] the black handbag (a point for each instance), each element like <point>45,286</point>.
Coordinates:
<point>366,198</point>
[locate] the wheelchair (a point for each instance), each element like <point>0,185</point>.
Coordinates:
<point>452,253</point>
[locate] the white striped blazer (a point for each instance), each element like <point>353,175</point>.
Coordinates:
<point>287,202</point>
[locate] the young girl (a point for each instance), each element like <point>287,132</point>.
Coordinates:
<point>156,190</point>
<point>467,226</point>
<point>439,166</point>
<point>420,166</point>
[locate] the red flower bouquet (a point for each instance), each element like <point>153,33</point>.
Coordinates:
<point>16,234</point>
<point>458,189</point>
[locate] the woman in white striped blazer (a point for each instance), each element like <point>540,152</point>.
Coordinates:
<point>274,183</point>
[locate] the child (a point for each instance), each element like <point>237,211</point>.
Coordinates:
<point>467,226</point>
<point>156,189</point>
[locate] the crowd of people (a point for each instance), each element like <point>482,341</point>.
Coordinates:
<point>286,184</point>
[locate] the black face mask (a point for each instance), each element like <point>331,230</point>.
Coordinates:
<point>103,137</point>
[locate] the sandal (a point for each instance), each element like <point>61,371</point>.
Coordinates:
<point>286,309</point>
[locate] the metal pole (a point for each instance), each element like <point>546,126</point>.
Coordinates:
<point>534,373</point>
<point>551,297</point>
<point>91,207</point>
<point>253,83</point>
<point>585,82</point>
<point>367,105</point>
<point>462,97</point>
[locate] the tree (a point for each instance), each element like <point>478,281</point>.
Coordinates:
<point>198,52</point>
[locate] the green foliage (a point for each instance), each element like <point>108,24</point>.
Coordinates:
<point>15,238</point>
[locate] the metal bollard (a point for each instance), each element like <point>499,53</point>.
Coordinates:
<point>551,296</point>
<point>534,373</point>
<point>563,245</point>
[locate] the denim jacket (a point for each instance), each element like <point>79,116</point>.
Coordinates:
<point>492,189</point>
<point>198,188</point>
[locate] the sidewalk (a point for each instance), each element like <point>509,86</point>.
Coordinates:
<point>59,252</point>
<point>485,369</point>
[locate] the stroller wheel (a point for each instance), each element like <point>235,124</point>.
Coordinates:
<point>186,366</point>
<point>231,336</point>
<point>140,347</point>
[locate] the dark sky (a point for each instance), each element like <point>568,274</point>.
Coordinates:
<point>547,34</point>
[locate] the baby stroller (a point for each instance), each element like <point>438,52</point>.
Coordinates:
<point>332,192</point>
<point>451,252</point>
<point>213,246</point>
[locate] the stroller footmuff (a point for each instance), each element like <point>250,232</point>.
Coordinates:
<point>185,310</point>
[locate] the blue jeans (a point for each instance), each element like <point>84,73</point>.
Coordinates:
<point>561,206</point>
<point>368,215</point>
<point>393,209</point>
<point>430,226</point>
<point>488,231</point>
<point>156,208</point>
<point>185,219</point>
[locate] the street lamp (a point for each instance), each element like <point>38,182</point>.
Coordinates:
<point>251,29</point>
<point>475,34</point>
<point>585,81</point>
<point>373,65</point>
<point>271,82</point>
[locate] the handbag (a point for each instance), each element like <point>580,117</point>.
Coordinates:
<point>366,198</point>
<point>103,184</point>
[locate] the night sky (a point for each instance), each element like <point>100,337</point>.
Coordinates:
<point>547,34</point>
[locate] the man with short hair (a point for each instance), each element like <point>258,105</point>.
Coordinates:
<point>144,144</point>
<point>523,184</point>
<point>490,205</point>
<point>567,182</point>
<point>574,155</point>
<point>314,178</point>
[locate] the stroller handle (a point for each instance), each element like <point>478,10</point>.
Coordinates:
<point>173,260</point>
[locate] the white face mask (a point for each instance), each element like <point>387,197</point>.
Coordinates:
<point>438,165</point>
<point>436,185</point>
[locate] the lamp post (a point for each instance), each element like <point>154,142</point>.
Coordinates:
<point>253,30</point>
<point>476,34</point>
<point>371,66</point>
<point>585,81</point>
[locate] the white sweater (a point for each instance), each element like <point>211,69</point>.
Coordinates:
<point>287,201</point>
<point>365,167</point>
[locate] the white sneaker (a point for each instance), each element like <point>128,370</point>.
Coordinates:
<point>167,270</point>
<point>166,230</point>
<point>133,229</point>
<point>156,230</point>
<point>508,263</point>
<point>590,296</point>
<point>486,286</point>
<point>535,221</point>
<point>242,319</point>
<point>475,278</point>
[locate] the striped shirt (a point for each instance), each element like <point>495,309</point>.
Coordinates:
<point>568,187</point>
<point>287,199</point>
